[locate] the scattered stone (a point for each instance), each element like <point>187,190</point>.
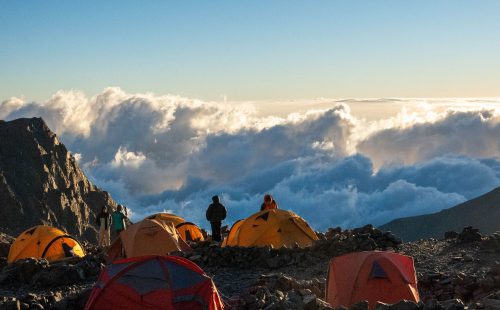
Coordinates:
<point>57,276</point>
<point>452,304</point>
<point>22,271</point>
<point>450,235</point>
<point>452,275</point>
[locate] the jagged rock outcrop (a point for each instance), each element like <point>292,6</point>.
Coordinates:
<point>41,183</point>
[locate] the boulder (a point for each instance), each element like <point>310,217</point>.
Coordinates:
<point>22,271</point>
<point>469,234</point>
<point>57,276</point>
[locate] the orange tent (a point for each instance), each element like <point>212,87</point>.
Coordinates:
<point>44,242</point>
<point>187,230</point>
<point>148,237</point>
<point>373,276</point>
<point>167,217</point>
<point>276,227</point>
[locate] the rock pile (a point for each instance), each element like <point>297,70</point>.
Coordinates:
<point>469,234</point>
<point>279,291</point>
<point>39,273</point>
<point>466,267</point>
<point>333,243</point>
<point>465,287</point>
<point>336,242</point>
<point>74,298</point>
<point>39,284</point>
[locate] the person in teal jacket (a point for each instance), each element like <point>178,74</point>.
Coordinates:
<point>118,220</point>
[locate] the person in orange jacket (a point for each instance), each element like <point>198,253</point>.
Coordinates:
<point>269,203</point>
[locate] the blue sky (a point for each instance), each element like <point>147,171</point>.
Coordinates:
<point>252,50</point>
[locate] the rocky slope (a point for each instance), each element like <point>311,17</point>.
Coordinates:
<point>482,212</point>
<point>461,272</point>
<point>41,183</point>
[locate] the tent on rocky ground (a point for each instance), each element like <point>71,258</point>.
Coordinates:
<point>187,230</point>
<point>44,242</point>
<point>148,237</point>
<point>154,282</point>
<point>277,228</point>
<point>373,276</point>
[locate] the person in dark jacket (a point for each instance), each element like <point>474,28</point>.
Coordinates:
<point>103,221</point>
<point>216,213</point>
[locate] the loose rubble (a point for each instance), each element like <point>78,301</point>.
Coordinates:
<point>461,271</point>
<point>37,284</point>
<point>333,243</point>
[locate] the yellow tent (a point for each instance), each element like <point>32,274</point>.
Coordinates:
<point>167,217</point>
<point>187,230</point>
<point>44,242</point>
<point>148,237</point>
<point>277,228</point>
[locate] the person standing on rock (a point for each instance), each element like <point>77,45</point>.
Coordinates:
<point>118,220</point>
<point>269,203</point>
<point>216,213</point>
<point>104,222</point>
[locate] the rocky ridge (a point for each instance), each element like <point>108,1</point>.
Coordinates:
<point>435,225</point>
<point>41,183</point>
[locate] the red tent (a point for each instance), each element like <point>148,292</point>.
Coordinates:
<point>154,282</point>
<point>373,276</point>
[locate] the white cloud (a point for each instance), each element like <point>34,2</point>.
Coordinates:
<point>471,133</point>
<point>328,161</point>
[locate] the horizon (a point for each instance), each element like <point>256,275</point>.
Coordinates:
<point>359,161</point>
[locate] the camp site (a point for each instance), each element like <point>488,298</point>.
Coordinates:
<point>250,155</point>
<point>163,261</point>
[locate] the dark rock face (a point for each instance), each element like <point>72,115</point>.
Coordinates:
<point>41,183</point>
<point>5,242</point>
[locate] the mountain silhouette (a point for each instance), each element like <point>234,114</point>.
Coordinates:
<point>482,212</point>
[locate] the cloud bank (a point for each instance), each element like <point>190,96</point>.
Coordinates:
<point>329,164</point>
